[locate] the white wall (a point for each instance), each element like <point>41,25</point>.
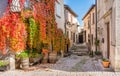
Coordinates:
<point>60,20</point>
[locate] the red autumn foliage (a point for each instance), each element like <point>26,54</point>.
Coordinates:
<point>12,32</point>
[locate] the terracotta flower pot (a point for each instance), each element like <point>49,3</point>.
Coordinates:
<point>25,63</point>
<point>45,58</point>
<point>53,57</point>
<point>105,64</point>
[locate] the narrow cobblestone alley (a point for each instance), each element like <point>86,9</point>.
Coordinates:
<point>72,65</point>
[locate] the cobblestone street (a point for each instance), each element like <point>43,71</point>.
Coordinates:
<point>73,65</point>
<point>68,66</point>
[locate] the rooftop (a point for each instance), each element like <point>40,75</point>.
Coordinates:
<point>69,9</point>
<point>89,11</point>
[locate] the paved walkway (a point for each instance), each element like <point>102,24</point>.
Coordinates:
<point>69,66</point>
<point>56,73</point>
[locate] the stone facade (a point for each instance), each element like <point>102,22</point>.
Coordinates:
<point>90,27</point>
<point>108,25</point>
<point>71,24</point>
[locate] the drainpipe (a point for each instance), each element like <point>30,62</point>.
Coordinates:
<point>96,22</point>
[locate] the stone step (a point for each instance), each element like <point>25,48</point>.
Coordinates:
<point>80,53</point>
<point>81,50</point>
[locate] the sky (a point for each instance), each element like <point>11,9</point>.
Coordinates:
<point>80,7</point>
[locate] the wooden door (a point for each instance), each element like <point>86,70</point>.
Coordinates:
<point>108,40</point>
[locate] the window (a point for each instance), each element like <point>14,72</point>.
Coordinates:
<point>68,34</point>
<point>92,39</point>
<point>15,6</point>
<point>71,35</point>
<point>93,20</point>
<point>27,4</point>
<point>71,18</point>
<point>58,9</point>
<point>89,21</point>
<point>88,24</point>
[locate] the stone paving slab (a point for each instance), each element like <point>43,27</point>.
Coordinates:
<point>58,73</point>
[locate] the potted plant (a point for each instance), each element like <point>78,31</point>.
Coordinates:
<point>97,52</point>
<point>91,54</point>
<point>17,61</point>
<point>24,57</point>
<point>45,53</point>
<point>53,57</point>
<point>4,65</point>
<point>105,63</point>
<point>97,42</point>
<point>35,58</point>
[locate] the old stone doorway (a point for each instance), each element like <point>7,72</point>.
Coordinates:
<point>108,40</point>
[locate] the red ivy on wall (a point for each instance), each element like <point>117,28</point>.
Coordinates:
<point>44,14</point>
<point>12,32</point>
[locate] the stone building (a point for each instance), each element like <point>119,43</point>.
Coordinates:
<point>108,29</point>
<point>71,24</point>
<point>90,27</point>
<point>59,14</point>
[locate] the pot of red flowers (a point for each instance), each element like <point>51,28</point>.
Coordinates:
<point>45,55</point>
<point>45,52</point>
<point>105,63</point>
<point>53,57</point>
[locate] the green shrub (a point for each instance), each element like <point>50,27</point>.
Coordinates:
<point>3,63</point>
<point>34,55</point>
<point>97,42</point>
<point>104,59</point>
<point>23,54</point>
<point>98,53</point>
<point>91,54</point>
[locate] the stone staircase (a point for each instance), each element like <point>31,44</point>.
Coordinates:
<point>79,49</point>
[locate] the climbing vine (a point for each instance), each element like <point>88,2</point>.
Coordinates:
<point>34,27</point>
<point>32,31</point>
<point>12,33</point>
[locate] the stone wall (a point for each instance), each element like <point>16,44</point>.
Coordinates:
<point>117,50</point>
<point>60,19</point>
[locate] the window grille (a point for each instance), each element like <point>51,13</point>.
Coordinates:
<point>15,6</point>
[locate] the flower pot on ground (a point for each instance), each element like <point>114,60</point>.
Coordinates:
<point>91,54</point>
<point>17,61</point>
<point>52,57</point>
<point>45,55</point>
<point>35,58</point>
<point>105,63</point>
<point>4,65</point>
<point>98,53</point>
<point>24,60</point>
